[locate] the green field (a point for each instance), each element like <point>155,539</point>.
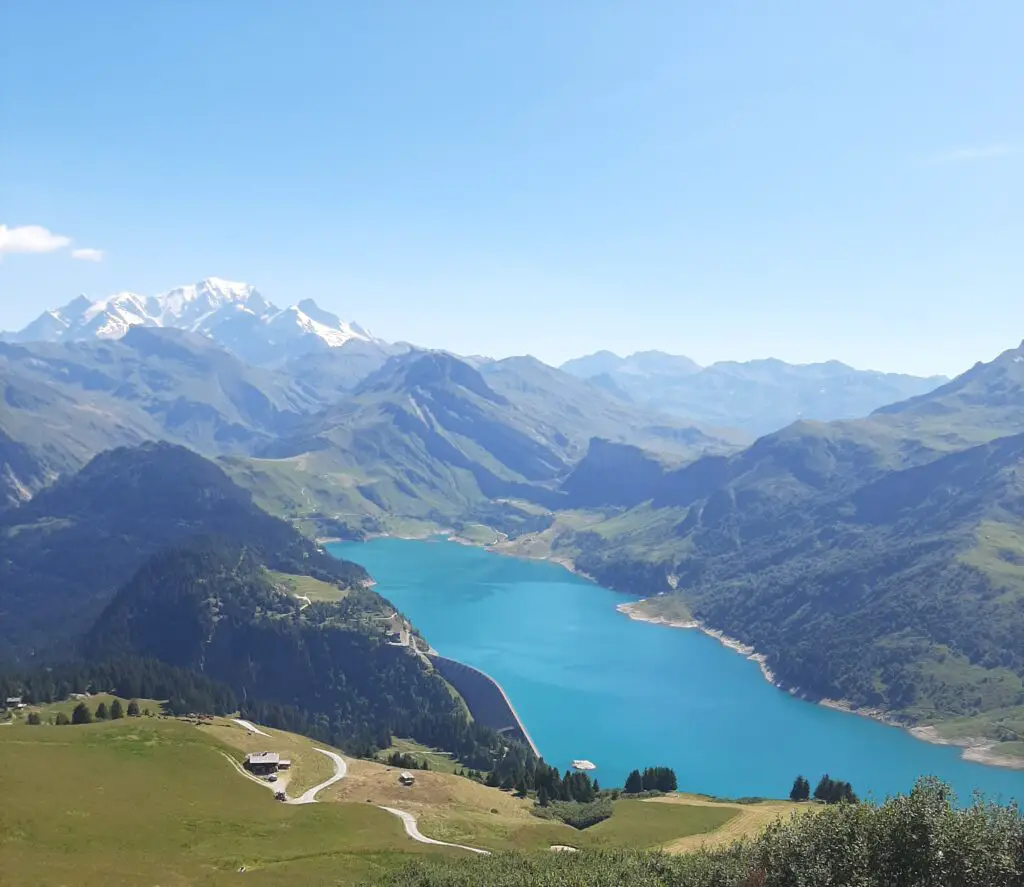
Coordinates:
<point>146,801</point>
<point>308,587</point>
<point>635,824</point>
<point>642,824</point>
<point>439,762</point>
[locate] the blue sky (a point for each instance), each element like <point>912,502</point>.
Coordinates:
<point>799,179</point>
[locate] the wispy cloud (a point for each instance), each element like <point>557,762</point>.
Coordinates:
<point>87,254</point>
<point>30,239</point>
<point>975,154</point>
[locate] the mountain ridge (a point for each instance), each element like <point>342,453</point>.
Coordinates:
<point>758,396</point>
<point>234,314</point>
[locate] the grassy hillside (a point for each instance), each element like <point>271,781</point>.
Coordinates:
<point>154,802</point>
<point>151,800</point>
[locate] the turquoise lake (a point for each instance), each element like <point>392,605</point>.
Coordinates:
<point>590,683</point>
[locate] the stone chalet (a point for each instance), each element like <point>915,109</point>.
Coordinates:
<point>265,762</point>
<point>14,702</point>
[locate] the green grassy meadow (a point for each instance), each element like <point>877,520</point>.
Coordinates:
<point>438,761</point>
<point>641,824</point>
<point>146,801</point>
<point>307,586</point>
<point>634,824</point>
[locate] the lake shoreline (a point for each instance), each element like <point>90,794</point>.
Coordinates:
<point>975,749</point>
<point>630,609</point>
<point>564,562</point>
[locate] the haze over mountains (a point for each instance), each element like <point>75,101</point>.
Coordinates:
<point>756,395</point>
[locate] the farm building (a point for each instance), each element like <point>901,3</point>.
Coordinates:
<point>265,763</point>
<point>406,778</point>
<point>14,702</point>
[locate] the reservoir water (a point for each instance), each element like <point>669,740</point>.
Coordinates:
<point>590,683</point>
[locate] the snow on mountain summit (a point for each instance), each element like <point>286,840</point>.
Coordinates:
<point>232,313</point>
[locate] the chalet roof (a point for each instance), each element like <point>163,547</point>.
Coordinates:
<point>263,757</point>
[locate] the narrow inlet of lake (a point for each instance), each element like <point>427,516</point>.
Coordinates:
<point>590,683</point>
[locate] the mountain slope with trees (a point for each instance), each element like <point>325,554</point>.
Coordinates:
<point>878,561</point>
<point>327,670</point>
<point>68,550</point>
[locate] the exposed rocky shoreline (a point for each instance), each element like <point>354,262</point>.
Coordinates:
<point>977,749</point>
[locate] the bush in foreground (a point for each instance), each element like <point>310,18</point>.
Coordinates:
<point>916,840</point>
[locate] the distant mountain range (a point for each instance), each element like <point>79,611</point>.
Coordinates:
<point>758,396</point>
<point>235,315</point>
<point>420,432</point>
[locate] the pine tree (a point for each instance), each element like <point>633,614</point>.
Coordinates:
<point>81,714</point>
<point>62,719</point>
<point>801,790</point>
<point>133,709</point>
<point>33,719</point>
<point>101,712</point>
<point>116,712</point>
<point>543,799</point>
<point>634,783</point>
<point>823,790</point>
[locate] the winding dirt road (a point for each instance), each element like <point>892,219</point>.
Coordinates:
<point>340,771</point>
<point>412,830</point>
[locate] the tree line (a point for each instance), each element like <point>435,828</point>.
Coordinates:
<point>828,791</point>
<point>653,779</point>
<point>129,677</point>
<point>82,714</point>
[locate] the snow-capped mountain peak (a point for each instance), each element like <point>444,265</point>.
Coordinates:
<point>232,313</point>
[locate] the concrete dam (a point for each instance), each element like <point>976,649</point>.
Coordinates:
<point>486,699</point>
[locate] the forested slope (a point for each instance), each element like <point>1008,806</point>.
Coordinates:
<point>67,551</point>
<point>326,669</point>
<point>878,561</point>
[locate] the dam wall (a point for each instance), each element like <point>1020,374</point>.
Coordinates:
<point>485,697</point>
